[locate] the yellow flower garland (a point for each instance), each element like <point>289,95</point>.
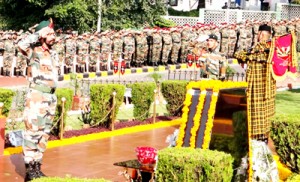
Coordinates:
<point>97,136</point>
<point>185,112</point>
<point>197,118</point>
<point>215,85</point>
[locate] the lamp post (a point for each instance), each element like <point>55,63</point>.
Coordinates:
<point>99,15</point>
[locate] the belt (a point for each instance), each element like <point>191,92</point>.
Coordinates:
<point>43,89</point>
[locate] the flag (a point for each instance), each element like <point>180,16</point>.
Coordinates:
<point>284,57</point>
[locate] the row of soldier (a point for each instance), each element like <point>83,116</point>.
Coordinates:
<point>91,52</point>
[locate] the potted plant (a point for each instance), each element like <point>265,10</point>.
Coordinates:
<point>74,82</point>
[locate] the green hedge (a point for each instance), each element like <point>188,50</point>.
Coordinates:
<point>60,93</point>
<point>285,134</point>
<point>142,96</point>
<point>101,96</point>
<point>68,179</point>
<point>174,93</point>
<point>162,22</point>
<point>6,96</point>
<point>293,178</point>
<point>192,13</point>
<point>189,165</point>
<point>240,139</point>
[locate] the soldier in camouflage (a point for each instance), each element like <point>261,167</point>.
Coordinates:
<point>167,46</point>
<point>20,58</point>
<point>298,34</point>
<point>156,47</point>
<point>60,49</point>
<point>176,39</point>
<point>94,53</point>
<point>185,39</point>
<point>106,45</point>
<point>9,54</point>
<point>225,38</point>
<point>82,50</point>
<point>41,101</point>
<point>141,47</point>
<point>117,46</point>
<point>70,43</point>
<point>232,40</point>
<point>129,48</point>
<point>214,63</point>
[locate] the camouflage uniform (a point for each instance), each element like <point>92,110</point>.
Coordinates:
<point>176,37</point>
<point>167,46</point>
<point>117,46</point>
<point>156,48</point>
<point>94,53</point>
<point>129,48</point>
<point>185,40</point>
<point>225,40</point>
<point>298,36</point>
<point>105,43</point>
<point>60,49</point>
<point>40,102</point>
<point>215,65</point>
<point>8,56</point>
<point>141,48</point>
<point>70,53</point>
<point>245,39</point>
<point>21,62</point>
<point>232,41</point>
<point>82,53</point>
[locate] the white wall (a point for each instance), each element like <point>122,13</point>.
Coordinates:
<point>184,5</point>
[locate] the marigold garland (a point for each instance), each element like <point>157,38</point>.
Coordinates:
<point>197,118</point>
<point>215,85</point>
<point>184,118</point>
<point>97,136</point>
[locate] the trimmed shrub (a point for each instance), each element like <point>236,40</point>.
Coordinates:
<point>174,92</point>
<point>162,22</point>
<point>60,93</point>
<point>6,96</point>
<point>142,96</point>
<point>285,134</point>
<point>240,139</point>
<point>101,96</point>
<point>189,165</point>
<point>293,178</point>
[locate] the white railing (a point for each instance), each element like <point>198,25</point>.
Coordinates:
<point>283,11</point>
<point>288,11</point>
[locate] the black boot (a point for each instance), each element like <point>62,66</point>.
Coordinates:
<point>30,172</point>
<point>37,167</point>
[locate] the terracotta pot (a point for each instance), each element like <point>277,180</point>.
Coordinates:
<point>85,126</point>
<point>2,134</point>
<point>76,103</point>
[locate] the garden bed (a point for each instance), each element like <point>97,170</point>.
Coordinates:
<point>99,129</point>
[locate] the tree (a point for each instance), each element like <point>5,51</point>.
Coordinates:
<point>79,15</point>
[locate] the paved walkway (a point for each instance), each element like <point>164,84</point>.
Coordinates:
<point>92,159</point>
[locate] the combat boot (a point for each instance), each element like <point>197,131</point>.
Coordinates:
<point>37,167</point>
<point>30,172</point>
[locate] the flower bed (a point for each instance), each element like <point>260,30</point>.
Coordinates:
<point>80,136</point>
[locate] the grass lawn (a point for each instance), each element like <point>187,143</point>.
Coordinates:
<point>288,102</point>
